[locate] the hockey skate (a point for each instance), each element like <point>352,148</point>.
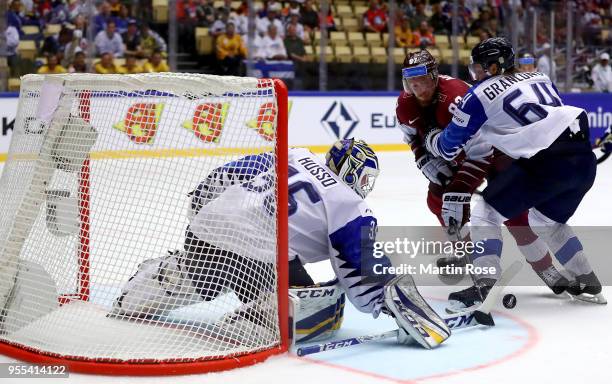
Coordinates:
<point>554,279</point>
<point>587,288</point>
<point>250,323</point>
<point>158,286</point>
<point>470,297</point>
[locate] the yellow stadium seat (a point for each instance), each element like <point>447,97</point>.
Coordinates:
<point>27,49</point>
<point>204,42</point>
<point>160,11</point>
<point>360,10</point>
<point>442,41</point>
<point>373,39</point>
<point>329,53</point>
<point>379,55</point>
<point>337,38</point>
<point>344,54</point>
<point>30,29</point>
<point>350,24</point>
<point>472,41</point>
<point>356,39</point>
<point>344,10</point>
<point>14,84</point>
<point>399,54</point>
<point>362,54</point>
<point>52,29</point>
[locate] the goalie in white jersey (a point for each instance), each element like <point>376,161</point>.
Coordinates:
<point>327,217</point>
<point>522,115</point>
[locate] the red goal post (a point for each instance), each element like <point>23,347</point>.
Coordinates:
<point>99,101</point>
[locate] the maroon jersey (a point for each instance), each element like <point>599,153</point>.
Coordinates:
<point>469,174</point>
<point>410,114</point>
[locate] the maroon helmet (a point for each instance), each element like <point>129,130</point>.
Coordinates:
<point>417,64</point>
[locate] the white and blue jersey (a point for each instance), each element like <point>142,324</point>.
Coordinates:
<point>327,219</point>
<point>520,114</point>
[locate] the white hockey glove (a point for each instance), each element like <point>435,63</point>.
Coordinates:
<point>431,138</point>
<point>415,318</point>
<point>455,209</point>
<point>435,169</point>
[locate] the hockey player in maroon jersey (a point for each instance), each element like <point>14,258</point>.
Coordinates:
<point>428,101</point>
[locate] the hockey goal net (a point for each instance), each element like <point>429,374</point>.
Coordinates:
<point>97,181</point>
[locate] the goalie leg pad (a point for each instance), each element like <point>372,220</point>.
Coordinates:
<point>158,287</point>
<point>413,315</point>
<point>318,312</point>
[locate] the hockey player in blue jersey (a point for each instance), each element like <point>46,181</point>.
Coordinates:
<point>327,215</point>
<point>522,115</point>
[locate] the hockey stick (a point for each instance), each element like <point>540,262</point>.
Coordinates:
<point>479,315</point>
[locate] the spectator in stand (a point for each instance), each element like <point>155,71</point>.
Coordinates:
<point>205,13</point>
<point>545,64</point>
<point>131,65</point>
<point>601,74</point>
<point>102,18</point>
<point>423,37</point>
<point>439,21</point>
<point>12,41</point>
<point>58,14</point>
<point>419,15</point>
<point>14,17</point>
<point>78,64</point>
<point>294,21</point>
<point>115,7</point>
<point>109,40</point>
<point>156,63</point>
<point>80,24</point>
<point>310,17</point>
<point>241,20</point>
<point>481,23</point>
<point>106,64</point>
<point>121,21</point>
<point>52,66</point>
<point>76,44</point>
<point>403,33</point>
<point>56,44</point>
<point>218,27</point>
<point>465,15</point>
<point>406,8</point>
<point>294,45</point>
<point>292,9</point>
<point>273,46</point>
<point>330,23</point>
<point>226,7</point>
<point>230,51</point>
<point>150,41</point>
<point>271,18</point>
<point>375,18</point>
<point>131,39</point>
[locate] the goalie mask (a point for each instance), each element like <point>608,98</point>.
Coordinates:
<point>355,163</point>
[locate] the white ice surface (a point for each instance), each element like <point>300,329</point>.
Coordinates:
<point>545,339</point>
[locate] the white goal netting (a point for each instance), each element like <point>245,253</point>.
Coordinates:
<point>98,185</point>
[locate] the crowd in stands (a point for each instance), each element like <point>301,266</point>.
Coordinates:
<point>124,43</point>
<point>121,42</point>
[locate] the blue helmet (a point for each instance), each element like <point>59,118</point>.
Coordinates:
<point>355,163</point>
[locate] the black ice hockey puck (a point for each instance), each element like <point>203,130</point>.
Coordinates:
<point>509,301</point>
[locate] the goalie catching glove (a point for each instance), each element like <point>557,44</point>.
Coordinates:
<point>415,318</point>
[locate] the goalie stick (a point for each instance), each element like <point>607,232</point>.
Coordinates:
<point>479,315</point>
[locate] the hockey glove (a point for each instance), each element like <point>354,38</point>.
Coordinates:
<point>455,209</point>
<point>435,169</point>
<point>605,142</point>
<point>415,318</point>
